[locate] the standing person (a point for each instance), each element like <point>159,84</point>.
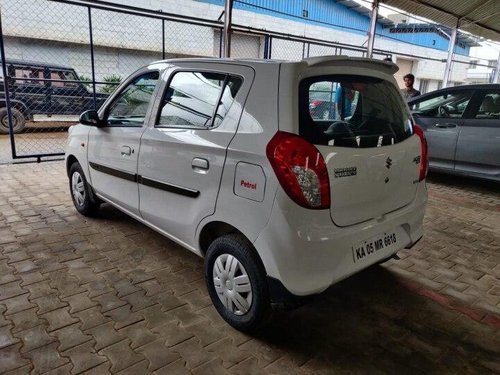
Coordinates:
<point>409,92</point>
<point>343,102</point>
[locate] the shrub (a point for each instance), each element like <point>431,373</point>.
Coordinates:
<point>112,82</point>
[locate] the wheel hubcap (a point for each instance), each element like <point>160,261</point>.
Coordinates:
<point>78,189</point>
<point>232,284</point>
<point>5,122</point>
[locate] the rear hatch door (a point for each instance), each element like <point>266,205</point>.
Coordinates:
<point>367,141</point>
<point>371,182</point>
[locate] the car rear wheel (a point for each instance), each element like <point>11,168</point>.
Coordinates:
<point>81,192</point>
<point>18,121</point>
<point>236,282</point>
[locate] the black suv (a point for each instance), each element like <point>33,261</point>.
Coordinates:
<point>37,88</point>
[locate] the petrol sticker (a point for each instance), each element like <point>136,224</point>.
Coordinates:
<point>248,185</point>
<point>249,181</point>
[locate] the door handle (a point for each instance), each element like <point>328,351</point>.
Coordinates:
<point>200,163</point>
<point>127,151</point>
<point>446,125</point>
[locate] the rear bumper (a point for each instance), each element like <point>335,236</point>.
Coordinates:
<point>307,253</point>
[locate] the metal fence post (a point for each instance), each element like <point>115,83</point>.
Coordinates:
<point>7,94</point>
<point>494,79</point>
<point>449,60</point>
<point>92,61</point>
<point>221,36</point>
<point>228,12</point>
<point>306,49</point>
<point>163,54</point>
<point>373,29</point>
<point>266,46</point>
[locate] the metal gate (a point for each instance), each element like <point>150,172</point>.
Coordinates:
<point>62,57</point>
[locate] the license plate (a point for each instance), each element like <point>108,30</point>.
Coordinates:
<point>366,249</point>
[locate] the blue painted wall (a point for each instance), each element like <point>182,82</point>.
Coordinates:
<point>328,13</point>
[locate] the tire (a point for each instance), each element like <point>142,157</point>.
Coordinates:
<point>248,309</point>
<point>18,121</point>
<point>81,192</point>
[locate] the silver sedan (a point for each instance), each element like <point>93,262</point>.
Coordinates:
<point>462,126</point>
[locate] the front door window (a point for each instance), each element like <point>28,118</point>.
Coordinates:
<point>448,105</point>
<point>130,107</point>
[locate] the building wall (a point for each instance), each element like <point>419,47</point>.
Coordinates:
<point>481,74</point>
<point>330,14</point>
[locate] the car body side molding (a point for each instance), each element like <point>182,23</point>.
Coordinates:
<point>145,181</point>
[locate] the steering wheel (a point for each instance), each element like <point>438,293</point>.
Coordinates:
<point>443,111</point>
<point>346,126</point>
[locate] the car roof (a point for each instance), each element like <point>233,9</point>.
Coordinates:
<point>308,62</point>
<point>37,64</point>
<point>481,86</point>
<point>215,60</point>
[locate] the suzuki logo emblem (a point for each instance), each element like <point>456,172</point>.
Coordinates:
<point>388,163</point>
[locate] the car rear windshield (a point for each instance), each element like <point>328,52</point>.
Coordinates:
<point>352,111</point>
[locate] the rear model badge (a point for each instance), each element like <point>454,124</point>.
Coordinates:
<point>345,172</point>
<point>388,162</point>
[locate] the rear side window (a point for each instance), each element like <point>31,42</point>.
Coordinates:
<point>352,111</point>
<point>198,99</point>
<point>59,76</point>
<point>490,106</point>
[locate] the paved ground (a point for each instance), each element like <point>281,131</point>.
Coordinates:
<point>108,295</point>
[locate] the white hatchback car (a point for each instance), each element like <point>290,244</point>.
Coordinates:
<point>226,158</point>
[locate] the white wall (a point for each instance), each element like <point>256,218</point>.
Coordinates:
<point>42,19</point>
<point>77,56</point>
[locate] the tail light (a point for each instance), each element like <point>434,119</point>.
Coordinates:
<point>424,159</point>
<point>300,169</point>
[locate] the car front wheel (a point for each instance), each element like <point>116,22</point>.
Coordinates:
<point>236,282</point>
<point>81,192</point>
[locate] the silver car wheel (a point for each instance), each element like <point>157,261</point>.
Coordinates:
<point>232,284</point>
<point>78,188</point>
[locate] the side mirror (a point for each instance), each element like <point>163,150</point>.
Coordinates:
<point>91,118</point>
